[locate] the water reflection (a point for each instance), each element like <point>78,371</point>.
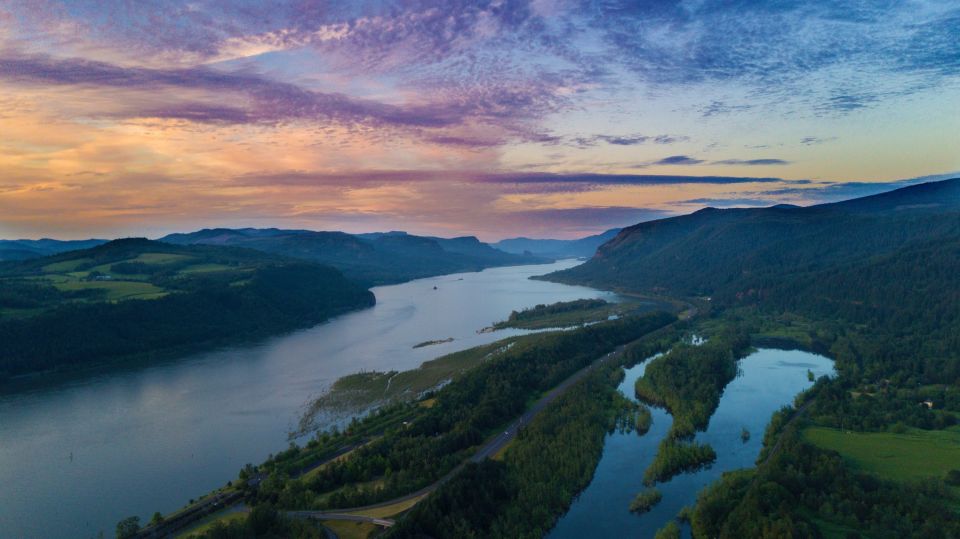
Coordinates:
<point>130,442</point>
<point>768,380</point>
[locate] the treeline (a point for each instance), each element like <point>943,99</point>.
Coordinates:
<point>275,298</point>
<point>895,317</point>
<point>675,457</point>
<point>689,380</point>
<point>645,501</point>
<point>884,407</point>
<point>464,414</point>
<point>552,460</point>
<point>713,252</point>
<point>262,523</point>
<point>23,294</point>
<point>542,310</point>
<point>781,498</point>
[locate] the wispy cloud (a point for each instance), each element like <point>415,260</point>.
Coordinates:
<point>678,160</point>
<point>688,160</point>
<point>752,162</point>
<point>244,97</point>
<point>623,179</point>
<point>436,113</point>
<point>727,202</point>
<point>625,140</point>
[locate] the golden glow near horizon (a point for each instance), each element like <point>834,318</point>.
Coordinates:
<point>117,121</point>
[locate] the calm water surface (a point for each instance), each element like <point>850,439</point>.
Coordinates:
<point>77,456</point>
<point>768,380</point>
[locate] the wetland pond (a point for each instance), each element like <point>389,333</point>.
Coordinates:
<point>768,380</point>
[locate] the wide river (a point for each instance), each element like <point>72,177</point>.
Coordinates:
<point>78,455</point>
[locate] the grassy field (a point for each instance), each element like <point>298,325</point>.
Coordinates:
<point>365,389</point>
<point>390,510</point>
<point>312,473</point>
<point>204,268</point>
<point>65,266</point>
<point>912,455</point>
<point>116,290</point>
<point>85,274</point>
<point>226,517</point>
<point>499,455</point>
<point>160,258</point>
<point>350,530</point>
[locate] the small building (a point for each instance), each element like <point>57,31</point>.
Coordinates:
<point>928,403</point>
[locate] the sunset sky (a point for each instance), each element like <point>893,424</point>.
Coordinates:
<point>548,118</point>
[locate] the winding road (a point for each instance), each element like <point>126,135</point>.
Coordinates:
<point>488,450</point>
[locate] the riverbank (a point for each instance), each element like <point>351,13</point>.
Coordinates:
<point>191,423</point>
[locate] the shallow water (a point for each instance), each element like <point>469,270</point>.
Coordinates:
<point>769,379</point>
<point>78,455</point>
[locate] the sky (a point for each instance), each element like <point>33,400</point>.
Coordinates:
<point>547,118</point>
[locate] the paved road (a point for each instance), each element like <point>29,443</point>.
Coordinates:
<point>776,447</point>
<point>501,440</point>
<point>320,515</point>
<point>191,515</point>
<point>196,512</point>
<point>489,449</point>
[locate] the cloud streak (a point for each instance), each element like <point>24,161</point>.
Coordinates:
<point>752,162</point>
<point>252,98</point>
<point>474,114</point>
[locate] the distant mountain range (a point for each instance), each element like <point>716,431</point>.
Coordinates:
<point>26,249</point>
<point>377,258</point>
<point>583,247</point>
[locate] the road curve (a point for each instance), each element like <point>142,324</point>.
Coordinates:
<point>488,450</point>
<point>322,515</point>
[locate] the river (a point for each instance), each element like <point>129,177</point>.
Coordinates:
<point>768,380</point>
<point>77,455</point>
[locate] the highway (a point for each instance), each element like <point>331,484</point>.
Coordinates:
<point>488,450</point>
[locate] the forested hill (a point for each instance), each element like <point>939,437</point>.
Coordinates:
<point>881,271</point>
<point>715,252</point>
<point>135,298</point>
<point>372,259</point>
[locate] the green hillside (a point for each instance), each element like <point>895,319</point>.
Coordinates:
<point>135,297</point>
<point>725,251</point>
<point>872,282</point>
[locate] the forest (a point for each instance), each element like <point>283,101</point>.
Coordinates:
<point>464,413</point>
<point>520,493</point>
<point>689,379</point>
<point>803,489</point>
<point>873,284</point>
<point>524,492</point>
<point>842,279</point>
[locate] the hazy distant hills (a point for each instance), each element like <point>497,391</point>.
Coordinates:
<point>25,249</point>
<point>377,258</point>
<point>715,251</point>
<point>583,247</point>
